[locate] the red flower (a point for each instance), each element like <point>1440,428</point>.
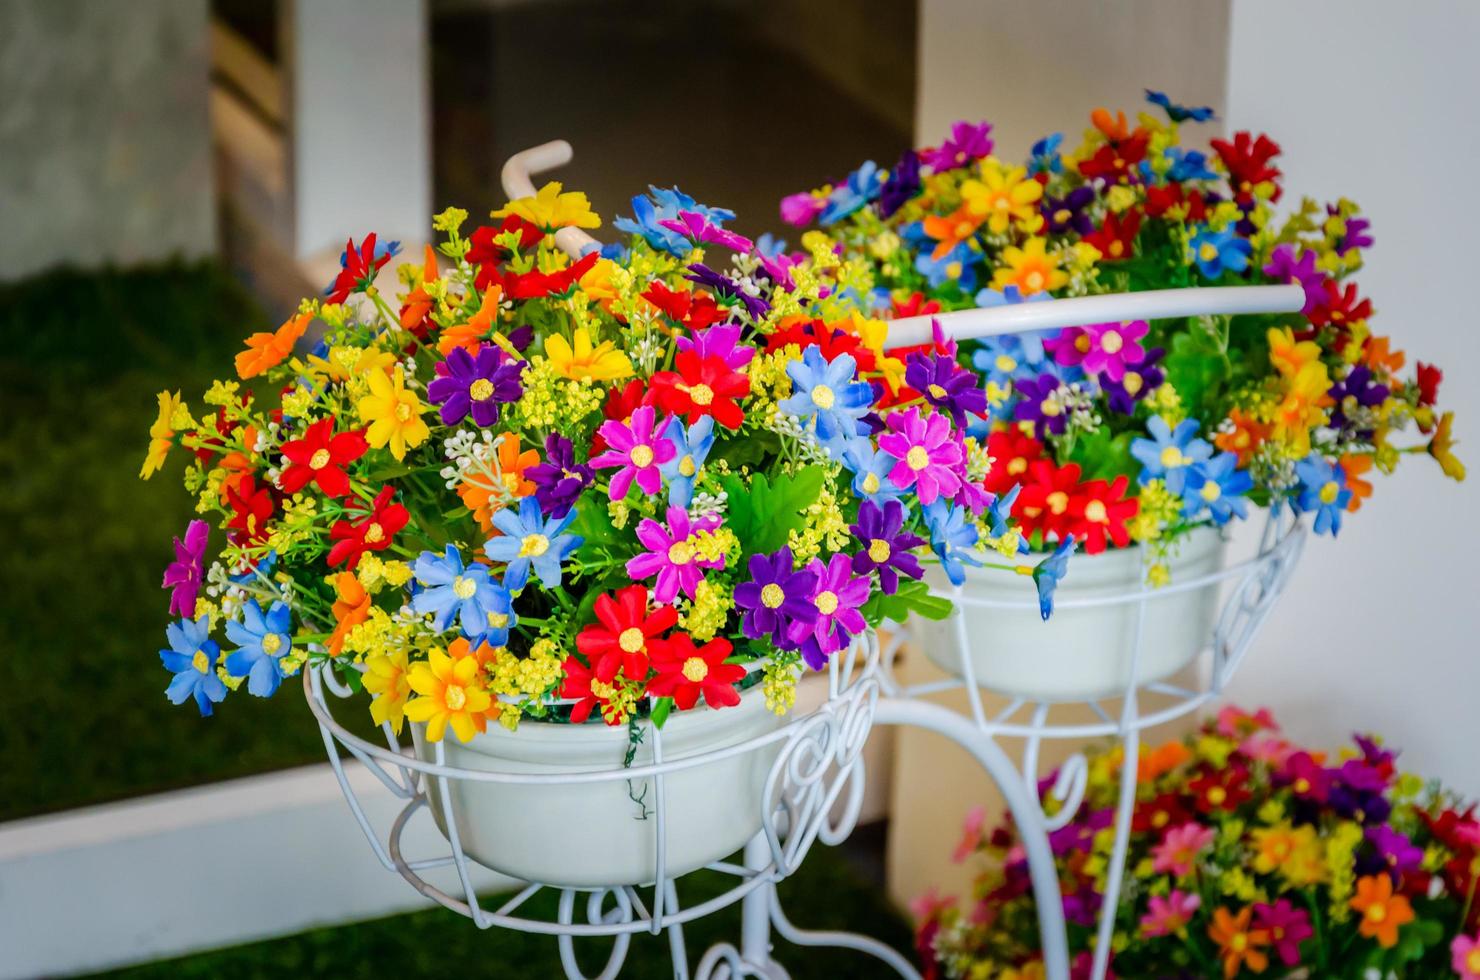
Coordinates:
<point>1160,200</point>
<point>686,671</point>
<point>358,269</point>
<point>320,457</point>
<point>1165,811</point>
<point>1116,238</point>
<point>251,509</point>
<point>1340,307</point>
<point>1100,510</point>
<point>1012,451</point>
<point>829,341</point>
<point>621,636</point>
<point>582,685</point>
<point>1222,790</point>
<point>1117,158</point>
<point>702,386</point>
<point>695,311</point>
<point>1044,503</point>
<point>487,253</point>
<point>535,284</point>
<point>1428,383</point>
<point>372,533</point>
<point>915,305</point>
<point>1247,160</point>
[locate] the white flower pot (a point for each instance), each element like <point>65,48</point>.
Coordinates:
<point>592,834</point>
<point>1080,653</point>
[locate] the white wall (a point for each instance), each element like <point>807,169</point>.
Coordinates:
<point>1381,628</point>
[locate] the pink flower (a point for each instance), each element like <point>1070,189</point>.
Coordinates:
<point>637,450</point>
<point>971,833</point>
<point>1287,926</point>
<point>1101,348</point>
<point>671,554</point>
<point>1466,957</point>
<point>698,228</point>
<point>1169,916</point>
<point>1177,853</point>
<point>1234,721</point>
<point>801,209</point>
<point>928,452</point>
<point>183,575</point>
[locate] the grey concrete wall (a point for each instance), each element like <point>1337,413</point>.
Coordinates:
<point>105,140</point>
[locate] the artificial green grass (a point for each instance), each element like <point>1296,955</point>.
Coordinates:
<point>82,615</point>
<point>824,894</point>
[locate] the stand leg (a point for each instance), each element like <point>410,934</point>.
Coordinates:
<point>755,908</point>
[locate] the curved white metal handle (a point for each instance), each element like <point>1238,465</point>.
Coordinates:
<point>1109,308</point>
<point>537,159</point>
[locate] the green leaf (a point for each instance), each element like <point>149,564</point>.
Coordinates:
<point>661,708</point>
<point>1194,366</point>
<point>595,525</point>
<point>913,596</point>
<point>764,514</point>
<point>1104,457</point>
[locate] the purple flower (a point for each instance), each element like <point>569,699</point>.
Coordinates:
<point>1356,390</point>
<point>1100,348</point>
<point>777,599</point>
<point>559,480</point>
<point>637,451</point>
<point>1069,213</point>
<point>946,386</point>
<point>1039,402</point>
<point>671,554</point>
<point>465,384</point>
<point>927,450</point>
<point>721,341</point>
<point>886,546</point>
<point>698,228</point>
<point>1284,267</point>
<point>801,209</point>
<point>1398,852</point>
<point>838,597</point>
<point>966,143</point>
<point>1355,234</point>
<point>183,575</point>
<point>1138,381</point>
<point>704,276</point>
<point>903,182</point>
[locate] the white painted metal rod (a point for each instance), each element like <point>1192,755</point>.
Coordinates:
<point>517,183</point>
<point>1109,308</point>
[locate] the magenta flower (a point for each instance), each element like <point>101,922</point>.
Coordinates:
<point>1464,955</point>
<point>1177,853</point>
<point>838,596</point>
<point>183,575</point>
<point>1285,267</point>
<point>1287,926</point>
<point>801,209</point>
<point>927,450</point>
<point>1169,916</point>
<point>721,341</point>
<point>1100,348</point>
<point>967,142</point>
<point>672,555</point>
<point>637,451</point>
<point>698,228</point>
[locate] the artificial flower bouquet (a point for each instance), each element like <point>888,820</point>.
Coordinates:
<point>1249,856</point>
<point>627,482</point>
<point>1138,432</point>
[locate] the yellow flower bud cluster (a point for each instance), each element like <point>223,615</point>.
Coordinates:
<point>779,685</point>
<point>1341,847</point>
<point>825,527</point>
<point>707,612</point>
<point>375,573</point>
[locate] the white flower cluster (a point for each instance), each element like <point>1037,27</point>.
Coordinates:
<point>466,451</point>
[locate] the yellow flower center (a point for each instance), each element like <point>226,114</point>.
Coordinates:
<point>1376,913</point>
<point>631,640</point>
<point>1239,943</point>
<point>1016,465</point>
<point>964,228</point>
<point>1034,281</point>
<point>403,412</point>
<point>823,397</point>
<point>1302,785</point>
<point>1207,252</point>
<point>1111,342</point>
<point>1117,248</point>
<point>463,587</point>
<point>879,550</point>
<point>481,390</point>
<point>1002,203</point>
<point>827,602</point>
<point>1472,962</point>
<point>1050,408</point>
<point>917,458</point>
<point>319,460</point>
<point>772,597</point>
<point>1172,457</point>
<point>1062,216</point>
<point>641,455</point>
<point>1329,492</point>
<point>701,394</point>
<point>533,546</point>
<point>681,552</point>
<point>1131,382</point>
<point>1081,343</point>
<point>1058,501</point>
<point>272,643</point>
<point>455,697</point>
<point>695,669</point>
<point>937,392</point>
<point>1006,364</point>
<point>201,662</point>
<point>374,533</point>
<point>686,466</point>
<point>1094,511</point>
<point>870,483</point>
<point>1217,795</point>
<point>498,620</point>
<point>1211,491</point>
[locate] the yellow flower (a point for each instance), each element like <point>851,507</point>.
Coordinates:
<point>603,362</point>
<point>394,414</point>
<point>447,696</point>
<point>386,677</point>
<point>1441,447</point>
<point>550,209</point>
<point>161,434</point>
<point>1003,196</point>
<point>1030,268</point>
<point>1289,357</point>
<point>1295,853</point>
<point>1302,409</point>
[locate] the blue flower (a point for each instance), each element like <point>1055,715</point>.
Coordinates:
<point>1217,486</point>
<point>870,467</point>
<point>469,594</point>
<point>659,205</point>
<point>1216,252</point>
<point>1189,165</point>
<point>1044,157</point>
<point>692,445</point>
<point>1179,113</point>
<point>1323,491</point>
<point>531,539</point>
<point>192,658</point>
<point>769,245</point>
<point>999,513</point>
<point>958,265</point>
<point>952,537</point>
<point>861,187</point>
<point>1168,454</point>
<point>262,640</point>
<point>829,393</point>
<point>1048,573</point>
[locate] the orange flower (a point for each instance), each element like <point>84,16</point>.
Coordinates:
<point>237,466</point>
<point>1383,913</point>
<point>952,230</point>
<point>267,350</point>
<point>469,336</point>
<point>1114,127</point>
<point>1237,943</point>
<point>1376,354</point>
<point>1162,760</point>
<point>1353,467</point>
<point>351,609</point>
<point>418,303</point>
<point>1247,435</point>
<point>485,498</point>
